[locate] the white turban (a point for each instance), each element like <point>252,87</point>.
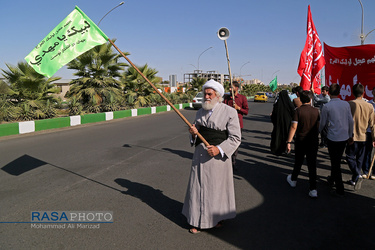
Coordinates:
<point>212,84</point>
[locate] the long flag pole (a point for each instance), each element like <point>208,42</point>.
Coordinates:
<point>91,36</point>
<point>372,164</point>
<point>230,72</point>
<point>157,91</point>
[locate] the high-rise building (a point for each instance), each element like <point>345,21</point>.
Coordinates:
<point>172,80</point>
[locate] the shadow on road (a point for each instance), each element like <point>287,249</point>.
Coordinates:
<point>258,118</point>
<point>183,154</point>
<point>169,208</point>
<point>22,165</point>
<point>26,163</point>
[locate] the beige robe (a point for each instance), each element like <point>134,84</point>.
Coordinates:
<point>210,193</point>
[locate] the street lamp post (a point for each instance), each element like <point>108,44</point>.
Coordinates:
<point>193,65</point>
<point>110,11</point>
<point>242,67</point>
<point>274,73</point>
<point>202,54</point>
<point>363,16</point>
<point>363,36</point>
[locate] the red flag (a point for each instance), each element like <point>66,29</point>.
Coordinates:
<point>317,84</point>
<point>312,58</point>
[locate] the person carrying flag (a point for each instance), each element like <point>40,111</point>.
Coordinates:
<point>210,193</point>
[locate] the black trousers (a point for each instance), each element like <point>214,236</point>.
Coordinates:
<point>335,150</point>
<point>310,150</point>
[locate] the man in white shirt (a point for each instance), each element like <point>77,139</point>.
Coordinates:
<point>337,115</point>
<point>319,102</point>
<point>322,99</point>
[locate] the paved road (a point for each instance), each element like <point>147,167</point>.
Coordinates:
<point>138,168</point>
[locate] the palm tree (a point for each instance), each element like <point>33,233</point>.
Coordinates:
<point>6,106</point>
<point>5,90</point>
<point>98,72</point>
<point>226,86</point>
<point>31,93</point>
<point>138,92</point>
<point>29,85</point>
<point>197,83</point>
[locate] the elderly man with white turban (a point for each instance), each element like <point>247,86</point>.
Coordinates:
<point>210,194</point>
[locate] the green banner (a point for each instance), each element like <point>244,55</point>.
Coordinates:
<point>75,35</point>
<point>273,84</point>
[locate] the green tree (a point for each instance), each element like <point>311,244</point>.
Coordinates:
<point>138,92</point>
<point>30,92</point>
<point>5,90</point>
<point>29,85</point>
<point>195,86</point>
<point>226,86</point>
<point>98,71</point>
<point>197,83</point>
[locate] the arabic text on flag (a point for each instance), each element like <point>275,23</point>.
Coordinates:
<point>72,37</point>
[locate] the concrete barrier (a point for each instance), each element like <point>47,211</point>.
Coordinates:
<point>61,122</point>
<point>9,129</point>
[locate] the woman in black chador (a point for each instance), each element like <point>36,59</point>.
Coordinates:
<point>281,117</point>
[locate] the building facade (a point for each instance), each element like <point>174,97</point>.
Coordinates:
<point>221,78</point>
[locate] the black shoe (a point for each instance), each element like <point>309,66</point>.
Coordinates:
<point>330,181</point>
<point>350,182</point>
<point>339,195</point>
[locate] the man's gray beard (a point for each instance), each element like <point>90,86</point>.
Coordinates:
<point>210,105</point>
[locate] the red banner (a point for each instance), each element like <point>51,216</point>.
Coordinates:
<point>350,65</point>
<point>312,59</point>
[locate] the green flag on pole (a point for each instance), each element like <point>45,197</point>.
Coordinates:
<point>273,84</point>
<point>75,35</point>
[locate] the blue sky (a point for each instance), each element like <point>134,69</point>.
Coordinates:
<point>170,35</point>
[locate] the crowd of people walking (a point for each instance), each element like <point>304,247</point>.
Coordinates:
<point>343,126</point>
<point>301,117</point>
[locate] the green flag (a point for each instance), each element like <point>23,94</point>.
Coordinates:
<point>75,35</point>
<point>273,84</point>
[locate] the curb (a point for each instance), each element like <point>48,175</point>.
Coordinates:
<point>61,122</point>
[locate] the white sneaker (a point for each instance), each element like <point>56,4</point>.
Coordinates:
<point>289,180</point>
<point>364,176</point>
<point>313,193</point>
<point>358,184</point>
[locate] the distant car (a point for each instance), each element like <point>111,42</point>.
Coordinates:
<point>197,100</point>
<point>260,97</point>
